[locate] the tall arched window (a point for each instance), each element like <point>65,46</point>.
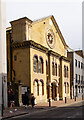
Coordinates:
<point>64,71</point>
<point>59,70</point>
<point>35,64</point>
<point>41,87</point>
<point>67,87</point>
<point>46,67</point>
<point>36,89</point>
<point>67,72</point>
<point>40,65</point>
<point>56,69</point>
<point>52,68</point>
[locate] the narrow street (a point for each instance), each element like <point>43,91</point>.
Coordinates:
<point>72,111</point>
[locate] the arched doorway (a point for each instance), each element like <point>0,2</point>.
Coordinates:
<point>54,89</point>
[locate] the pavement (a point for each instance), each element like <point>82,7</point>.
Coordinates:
<point>39,107</point>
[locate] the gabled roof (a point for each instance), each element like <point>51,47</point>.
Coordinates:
<point>54,22</point>
<point>58,30</point>
<point>56,26</point>
<point>41,19</point>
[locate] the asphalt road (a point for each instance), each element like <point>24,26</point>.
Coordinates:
<point>72,111</point>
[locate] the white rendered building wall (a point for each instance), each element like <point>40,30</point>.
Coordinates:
<point>3,63</point>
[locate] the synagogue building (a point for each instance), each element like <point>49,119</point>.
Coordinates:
<point>37,59</point>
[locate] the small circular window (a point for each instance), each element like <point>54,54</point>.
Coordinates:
<point>50,38</point>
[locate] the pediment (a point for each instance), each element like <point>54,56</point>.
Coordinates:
<point>58,30</point>
<point>46,32</point>
<point>52,21</point>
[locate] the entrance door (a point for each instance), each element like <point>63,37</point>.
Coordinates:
<point>54,90</point>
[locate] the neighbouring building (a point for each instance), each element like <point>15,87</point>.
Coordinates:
<point>3,67</point>
<point>37,59</point>
<point>77,73</point>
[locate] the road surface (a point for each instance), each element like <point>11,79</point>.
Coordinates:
<point>72,111</point>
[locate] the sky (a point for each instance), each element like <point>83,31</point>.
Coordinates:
<point>67,13</point>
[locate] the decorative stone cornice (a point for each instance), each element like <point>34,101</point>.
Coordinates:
<point>32,44</point>
<point>29,44</point>
<point>64,58</point>
<point>50,52</point>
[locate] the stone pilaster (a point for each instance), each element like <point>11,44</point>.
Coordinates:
<point>20,94</point>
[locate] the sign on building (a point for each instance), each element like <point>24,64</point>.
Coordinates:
<point>24,89</point>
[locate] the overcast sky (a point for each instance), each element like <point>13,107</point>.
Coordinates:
<point>67,13</point>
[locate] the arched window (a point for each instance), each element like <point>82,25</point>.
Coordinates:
<point>67,72</point>
<point>59,70</point>
<point>64,71</point>
<point>67,87</point>
<point>46,67</point>
<point>40,65</point>
<point>35,64</point>
<point>36,87</point>
<point>52,68</point>
<point>56,69</point>
<point>41,87</point>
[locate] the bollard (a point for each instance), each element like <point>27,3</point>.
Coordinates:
<point>65,100</point>
<point>75,98</point>
<point>49,102</point>
<point>2,111</point>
